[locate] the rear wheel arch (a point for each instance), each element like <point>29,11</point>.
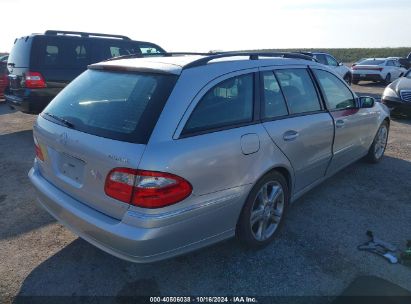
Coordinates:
<point>283,171</point>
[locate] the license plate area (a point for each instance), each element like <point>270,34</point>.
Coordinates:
<point>13,82</point>
<point>362,75</point>
<point>71,169</point>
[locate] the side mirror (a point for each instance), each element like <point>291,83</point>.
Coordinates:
<point>340,64</point>
<point>366,102</point>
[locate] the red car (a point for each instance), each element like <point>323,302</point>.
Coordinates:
<point>3,78</point>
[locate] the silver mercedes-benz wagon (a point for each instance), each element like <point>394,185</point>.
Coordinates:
<point>148,158</point>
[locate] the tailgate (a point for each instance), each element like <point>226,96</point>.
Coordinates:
<point>77,163</point>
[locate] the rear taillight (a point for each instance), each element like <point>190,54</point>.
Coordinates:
<point>147,189</point>
<point>39,152</point>
<point>367,68</point>
<point>34,80</point>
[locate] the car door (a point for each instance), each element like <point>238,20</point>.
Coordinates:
<point>352,124</point>
<point>296,122</point>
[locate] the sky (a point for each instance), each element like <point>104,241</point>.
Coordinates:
<point>199,25</point>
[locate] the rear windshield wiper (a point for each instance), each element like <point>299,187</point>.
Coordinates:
<point>61,120</point>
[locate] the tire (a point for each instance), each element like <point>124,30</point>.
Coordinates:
<point>355,81</point>
<point>261,218</point>
<point>347,78</point>
<point>377,149</point>
<point>387,79</point>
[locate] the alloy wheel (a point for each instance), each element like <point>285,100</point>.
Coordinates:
<point>380,142</point>
<point>267,210</point>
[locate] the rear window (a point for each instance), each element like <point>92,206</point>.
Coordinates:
<point>372,62</point>
<point>115,105</point>
<point>20,53</point>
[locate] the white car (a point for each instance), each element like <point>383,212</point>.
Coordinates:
<point>377,69</point>
<point>333,64</point>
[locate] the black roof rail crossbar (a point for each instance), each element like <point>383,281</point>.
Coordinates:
<point>252,55</point>
<point>85,34</point>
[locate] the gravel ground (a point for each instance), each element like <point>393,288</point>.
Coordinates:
<point>314,254</point>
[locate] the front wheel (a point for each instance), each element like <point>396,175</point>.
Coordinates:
<point>263,211</point>
<point>377,149</point>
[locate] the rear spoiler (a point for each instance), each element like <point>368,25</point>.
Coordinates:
<point>121,68</point>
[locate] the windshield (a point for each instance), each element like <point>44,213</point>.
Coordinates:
<point>372,62</point>
<point>120,106</point>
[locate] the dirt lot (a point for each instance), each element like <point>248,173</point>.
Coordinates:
<point>314,254</point>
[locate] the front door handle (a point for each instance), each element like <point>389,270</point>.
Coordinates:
<point>290,135</point>
<point>340,123</point>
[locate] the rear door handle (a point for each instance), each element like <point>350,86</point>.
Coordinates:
<point>290,135</point>
<point>340,123</point>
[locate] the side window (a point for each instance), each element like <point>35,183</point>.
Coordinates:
<point>65,53</point>
<point>331,61</point>
<point>104,49</point>
<point>150,49</point>
<point>274,103</point>
<point>228,103</point>
<point>52,51</point>
<point>321,59</point>
<point>390,63</point>
<point>299,90</point>
<point>337,95</point>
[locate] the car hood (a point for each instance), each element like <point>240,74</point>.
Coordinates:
<point>402,83</point>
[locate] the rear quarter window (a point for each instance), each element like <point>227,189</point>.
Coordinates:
<point>226,105</point>
<point>115,105</point>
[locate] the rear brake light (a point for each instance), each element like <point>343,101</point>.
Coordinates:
<point>39,153</point>
<point>34,80</point>
<point>367,68</point>
<point>147,189</point>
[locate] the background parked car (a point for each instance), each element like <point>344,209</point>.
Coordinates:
<point>332,63</point>
<point>3,78</point>
<point>397,95</point>
<point>377,69</point>
<point>4,58</point>
<point>40,65</point>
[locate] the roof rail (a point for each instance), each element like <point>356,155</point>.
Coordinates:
<point>211,56</point>
<point>252,56</point>
<point>85,34</point>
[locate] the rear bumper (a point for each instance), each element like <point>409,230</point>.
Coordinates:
<point>33,101</point>
<point>126,239</point>
<point>367,77</point>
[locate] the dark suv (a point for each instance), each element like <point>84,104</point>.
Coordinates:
<point>41,65</point>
